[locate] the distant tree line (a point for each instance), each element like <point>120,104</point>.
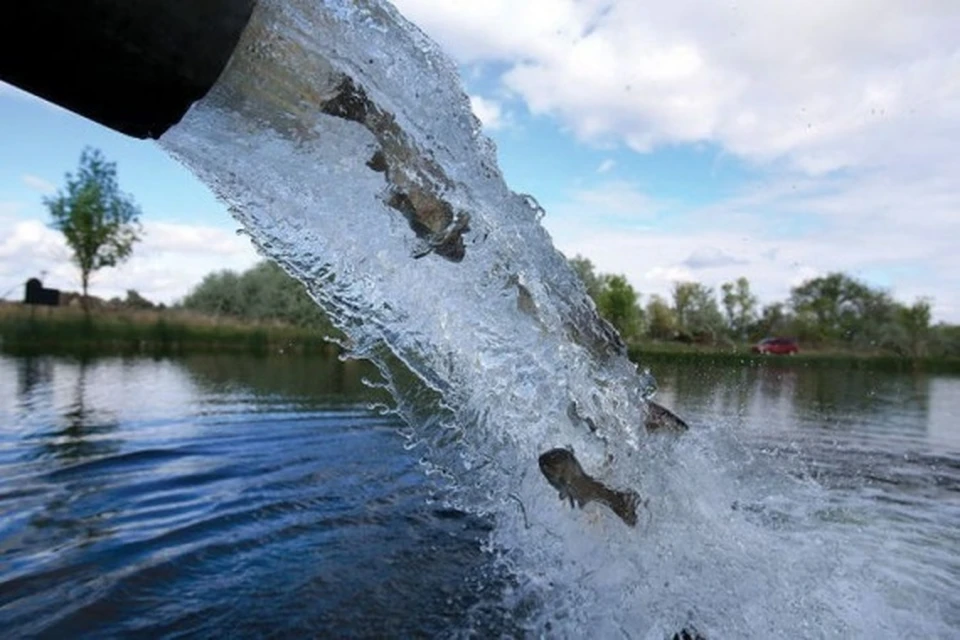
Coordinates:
<point>264,292</point>
<point>835,311</point>
<point>832,311</point>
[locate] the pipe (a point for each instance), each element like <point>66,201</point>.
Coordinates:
<point>134,66</point>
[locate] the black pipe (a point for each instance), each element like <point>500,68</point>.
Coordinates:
<point>134,66</point>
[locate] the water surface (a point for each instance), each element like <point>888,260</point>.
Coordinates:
<point>246,497</point>
<point>216,497</point>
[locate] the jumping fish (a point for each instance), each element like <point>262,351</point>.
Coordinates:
<point>659,417</point>
<point>562,470</point>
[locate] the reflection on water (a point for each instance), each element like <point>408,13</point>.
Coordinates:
<point>943,414</point>
<point>327,380</point>
<point>918,411</point>
<point>247,497</point>
<point>217,494</point>
<point>84,428</point>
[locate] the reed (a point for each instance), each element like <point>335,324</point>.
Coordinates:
<point>30,329</point>
<point>648,353</point>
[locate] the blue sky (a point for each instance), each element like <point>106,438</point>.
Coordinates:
<point>666,142</point>
<point>188,232</point>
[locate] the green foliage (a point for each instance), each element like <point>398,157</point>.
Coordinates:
<point>100,223</point>
<point>740,306</point>
<point>136,301</point>
<point>947,340</point>
<point>773,321</point>
<point>839,308</point>
<point>696,309</point>
<point>263,292</point>
<point>591,281</point>
<point>63,330</point>
<point>661,320</point>
<point>835,311</point>
<point>617,302</point>
<point>914,323</point>
<point>615,298</point>
<point>217,294</point>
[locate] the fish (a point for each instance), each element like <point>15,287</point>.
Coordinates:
<point>656,419</point>
<point>659,417</point>
<point>564,473</point>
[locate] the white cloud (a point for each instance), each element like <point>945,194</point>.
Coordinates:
<point>615,202</point>
<point>165,265</point>
<point>851,110</point>
<point>710,258</point>
<point>606,166</point>
<point>38,184</point>
<point>489,112</point>
<point>808,82</point>
<point>890,236</point>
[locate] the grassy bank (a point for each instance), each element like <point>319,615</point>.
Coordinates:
<point>27,329</point>
<point>649,353</point>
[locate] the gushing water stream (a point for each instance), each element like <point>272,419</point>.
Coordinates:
<point>345,146</point>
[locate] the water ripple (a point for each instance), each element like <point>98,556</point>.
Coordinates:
<point>206,511</point>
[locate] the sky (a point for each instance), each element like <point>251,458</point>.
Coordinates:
<point>666,141</point>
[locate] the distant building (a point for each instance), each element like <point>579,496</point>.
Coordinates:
<point>35,294</point>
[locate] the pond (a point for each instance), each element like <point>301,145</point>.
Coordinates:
<point>237,497</point>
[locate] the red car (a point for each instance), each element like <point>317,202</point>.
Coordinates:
<point>779,346</point>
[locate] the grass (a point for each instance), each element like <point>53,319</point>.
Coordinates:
<point>649,352</point>
<point>28,329</point>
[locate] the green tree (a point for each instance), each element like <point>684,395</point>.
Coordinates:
<point>947,338</point>
<point>99,222</point>
<point>740,306</point>
<point>840,308</point>
<point>683,293</point>
<point>618,303</point>
<point>217,294</point>
<point>915,324</point>
<point>263,292</point>
<point>773,321</point>
<point>136,301</point>
<point>661,321</point>
<point>585,270</point>
<point>696,309</point>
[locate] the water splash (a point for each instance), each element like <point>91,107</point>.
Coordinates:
<point>342,140</point>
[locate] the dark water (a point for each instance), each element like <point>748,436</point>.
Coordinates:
<point>240,497</point>
<point>218,497</point>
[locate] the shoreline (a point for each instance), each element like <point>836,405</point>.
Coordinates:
<point>36,330</point>
<point>648,353</point>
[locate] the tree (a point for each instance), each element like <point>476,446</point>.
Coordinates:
<point>100,223</point>
<point>838,307</point>
<point>740,306</point>
<point>661,321</point>
<point>773,320</point>
<point>696,308</point>
<point>136,301</point>
<point>683,293</point>
<point>591,280</point>
<point>915,324</point>
<point>617,302</point>
<point>263,292</point>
